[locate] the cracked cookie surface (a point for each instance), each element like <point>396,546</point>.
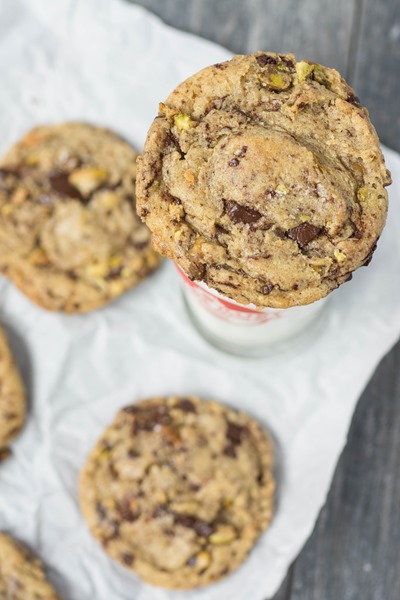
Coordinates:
<point>21,573</point>
<point>179,489</point>
<point>12,398</point>
<point>263,177</point>
<point>70,237</point>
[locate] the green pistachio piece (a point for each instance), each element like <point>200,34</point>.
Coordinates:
<point>362,194</point>
<point>304,69</point>
<point>182,121</point>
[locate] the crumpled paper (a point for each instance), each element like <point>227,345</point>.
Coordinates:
<point>110,63</point>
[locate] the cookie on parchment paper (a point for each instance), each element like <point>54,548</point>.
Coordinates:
<point>70,238</point>
<point>179,489</point>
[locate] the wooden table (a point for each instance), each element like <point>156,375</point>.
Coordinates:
<point>354,552</point>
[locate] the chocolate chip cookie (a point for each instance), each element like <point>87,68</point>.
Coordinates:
<point>70,237</point>
<point>12,398</point>
<point>263,177</point>
<point>179,489</point>
<point>21,573</point>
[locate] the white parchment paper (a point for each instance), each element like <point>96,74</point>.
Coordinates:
<point>110,63</point>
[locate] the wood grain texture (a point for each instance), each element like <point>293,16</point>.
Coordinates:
<point>354,552</point>
<point>377,67</point>
<point>298,26</point>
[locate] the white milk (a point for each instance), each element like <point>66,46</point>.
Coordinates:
<point>243,329</point>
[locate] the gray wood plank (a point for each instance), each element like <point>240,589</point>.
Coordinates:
<point>354,552</point>
<point>377,69</point>
<point>318,30</point>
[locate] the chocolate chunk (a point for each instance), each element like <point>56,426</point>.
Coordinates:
<point>303,233</point>
<point>186,405</point>
<point>132,453</point>
<point>353,99</point>
<point>4,171</point>
<point>349,277</point>
<point>242,152</point>
<point>234,162</point>
<point>235,433</point>
<point>230,451</point>
<point>369,256</point>
<point>147,418</point>
<point>267,289</point>
<point>125,511</point>
<point>220,229</point>
<point>202,528</point>
<point>59,183</point>
<point>287,62</point>
<point>127,558</point>
<point>144,212</point>
<point>241,214</point>
<point>265,59</point>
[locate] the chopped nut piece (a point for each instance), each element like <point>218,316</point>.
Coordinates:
<point>340,256</point>
<point>203,560</point>
<point>362,194</point>
<point>304,69</point>
<point>87,179</point>
<point>223,535</point>
<point>182,121</point>
<point>305,218</point>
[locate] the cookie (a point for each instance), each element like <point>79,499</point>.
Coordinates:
<point>263,177</point>
<point>70,238</point>
<point>12,398</point>
<point>179,489</point>
<point>21,573</point>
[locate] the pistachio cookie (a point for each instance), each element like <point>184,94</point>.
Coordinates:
<point>179,489</point>
<point>21,573</point>
<point>70,237</point>
<point>263,177</point>
<point>12,398</point>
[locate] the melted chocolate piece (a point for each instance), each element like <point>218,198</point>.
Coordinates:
<point>241,214</point>
<point>267,289</point>
<point>125,511</point>
<point>234,162</point>
<point>127,558</point>
<point>202,528</point>
<point>186,405</point>
<point>286,61</point>
<point>304,233</point>
<point>147,418</point>
<point>235,433</point>
<point>353,99</point>
<point>60,184</point>
<point>132,453</point>
<point>4,171</point>
<point>369,256</point>
<point>264,60</point>
<point>230,451</point>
